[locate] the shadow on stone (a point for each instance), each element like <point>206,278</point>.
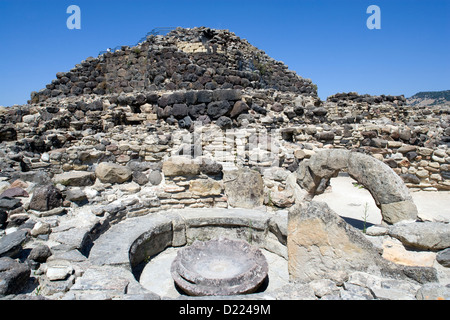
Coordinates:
<point>358,224</point>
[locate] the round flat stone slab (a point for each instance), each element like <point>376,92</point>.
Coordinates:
<point>219,267</point>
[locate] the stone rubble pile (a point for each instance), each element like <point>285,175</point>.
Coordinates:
<point>170,63</point>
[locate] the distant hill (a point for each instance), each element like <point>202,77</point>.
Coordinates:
<point>430,98</point>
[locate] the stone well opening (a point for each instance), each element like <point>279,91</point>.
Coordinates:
<point>152,253</point>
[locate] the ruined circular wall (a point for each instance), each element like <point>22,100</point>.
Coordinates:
<point>130,243</point>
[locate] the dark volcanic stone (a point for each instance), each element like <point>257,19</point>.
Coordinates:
<point>13,276</point>
<point>224,122</point>
<point>8,203</point>
<point>46,198</point>
<point>40,253</point>
<point>185,123</point>
<point>217,109</point>
<point>227,94</point>
<point>277,107</point>
<point>11,244</point>
<point>179,110</point>
<point>209,167</point>
<point>299,111</point>
<point>8,134</point>
<point>140,178</point>
<point>320,111</point>
<point>197,110</point>
<point>3,218</point>
<point>204,96</point>
<point>259,109</point>
<point>14,192</point>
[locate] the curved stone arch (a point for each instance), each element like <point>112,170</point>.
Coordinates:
<point>388,190</point>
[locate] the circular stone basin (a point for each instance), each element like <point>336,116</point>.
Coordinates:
<point>219,267</point>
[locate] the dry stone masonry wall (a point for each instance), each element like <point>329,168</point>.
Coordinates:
<point>198,58</point>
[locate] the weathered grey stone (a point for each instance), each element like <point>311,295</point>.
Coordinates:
<point>135,245</point>
<point>155,177</point>
<point>443,257</point>
<point>52,212</point>
<point>354,290</point>
<point>76,195</point>
<point>420,274</point>
<point>40,228</point>
<point>7,203</point>
<point>382,182</point>
<point>40,253</point>
<point>276,173</point>
<point>398,211</point>
<point>319,241</point>
<point>410,178</point>
<point>180,166</point>
<point>58,270</point>
<point>59,287</point>
<point>392,292</point>
<point>75,178</point>
<point>210,167</point>
<point>113,173</point>
<point>295,291</point>
<point>422,235</point>
<point>376,231</point>
<point>433,291</point>
<point>324,287</point>
<point>351,295</point>
<point>109,280</point>
<point>281,199</point>
<point>74,238</point>
<point>386,187</point>
<point>11,244</point>
<point>244,188</point>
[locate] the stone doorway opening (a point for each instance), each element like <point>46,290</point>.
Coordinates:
<point>352,201</point>
<point>387,189</point>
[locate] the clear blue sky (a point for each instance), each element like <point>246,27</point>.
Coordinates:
<point>324,40</point>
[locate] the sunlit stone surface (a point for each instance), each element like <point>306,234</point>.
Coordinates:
<point>219,267</point>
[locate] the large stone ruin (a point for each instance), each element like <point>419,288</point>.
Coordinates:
<point>198,135</point>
